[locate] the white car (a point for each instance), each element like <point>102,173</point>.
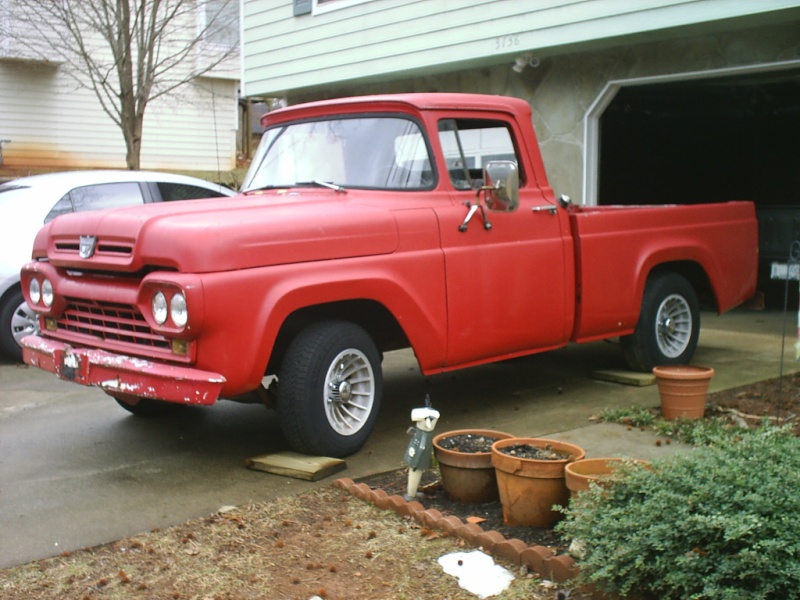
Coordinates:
<point>29,202</point>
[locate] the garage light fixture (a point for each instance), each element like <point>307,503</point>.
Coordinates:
<point>525,60</point>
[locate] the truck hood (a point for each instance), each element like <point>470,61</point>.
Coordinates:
<point>221,234</point>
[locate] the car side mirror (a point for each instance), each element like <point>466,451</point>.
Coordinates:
<point>501,184</point>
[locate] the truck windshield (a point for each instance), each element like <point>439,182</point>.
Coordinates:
<point>363,152</point>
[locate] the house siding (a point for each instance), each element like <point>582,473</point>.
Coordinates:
<point>52,123</point>
<point>384,39</point>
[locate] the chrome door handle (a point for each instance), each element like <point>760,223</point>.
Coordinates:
<point>545,208</point>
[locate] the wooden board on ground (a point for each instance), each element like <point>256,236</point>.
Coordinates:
<point>626,377</point>
<point>300,466</point>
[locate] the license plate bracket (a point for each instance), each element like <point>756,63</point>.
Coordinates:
<point>70,366</point>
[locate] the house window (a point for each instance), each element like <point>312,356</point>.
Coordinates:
<point>323,6</point>
<point>220,22</point>
<point>4,24</point>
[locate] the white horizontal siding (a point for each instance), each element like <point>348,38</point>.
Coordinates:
<point>195,133</point>
<point>51,124</point>
<point>384,38</point>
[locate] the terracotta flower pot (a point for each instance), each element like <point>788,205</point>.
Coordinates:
<point>467,476</point>
<point>530,487</point>
<point>683,390</point>
<point>579,474</point>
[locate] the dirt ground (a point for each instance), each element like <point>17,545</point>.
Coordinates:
<point>775,400</point>
<point>325,544</point>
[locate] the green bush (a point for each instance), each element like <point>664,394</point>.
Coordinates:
<point>721,522</point>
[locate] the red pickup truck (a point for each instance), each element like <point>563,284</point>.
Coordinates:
<point>367,225</point>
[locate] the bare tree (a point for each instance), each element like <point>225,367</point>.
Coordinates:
<point>129,52</point>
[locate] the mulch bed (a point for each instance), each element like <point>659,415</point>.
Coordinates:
<point>432,496</point>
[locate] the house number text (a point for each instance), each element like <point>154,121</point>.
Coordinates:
<point>506,42</point>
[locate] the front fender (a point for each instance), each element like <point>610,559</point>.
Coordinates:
<point>410,287</point>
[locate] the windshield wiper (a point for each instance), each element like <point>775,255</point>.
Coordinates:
<point>326,184</point>
<point>262,188</point>
<point>313,183</point>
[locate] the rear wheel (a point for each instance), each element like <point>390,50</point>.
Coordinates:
<point>668,327</point>
<point>145,407</point>
<point>329,389</point>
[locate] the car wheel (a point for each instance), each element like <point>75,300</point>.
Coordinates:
<point>16,321</point>
<point>329,389</point>
<point>668,327</point>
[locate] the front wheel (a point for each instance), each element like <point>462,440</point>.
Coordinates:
<point>329,389</point>
<point>668,327</point>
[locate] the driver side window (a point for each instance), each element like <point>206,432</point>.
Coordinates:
<point>469,144</point>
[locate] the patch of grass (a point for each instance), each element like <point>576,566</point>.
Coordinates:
<point>637,416</point>
<point>696,432</point>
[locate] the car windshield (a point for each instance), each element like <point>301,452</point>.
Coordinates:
<point>366,152</point>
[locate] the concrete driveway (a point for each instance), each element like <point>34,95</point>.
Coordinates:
<point>76,470</point>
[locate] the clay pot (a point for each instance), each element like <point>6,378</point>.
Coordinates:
<point>683,390</point>
<point>467,477</point>
<point>579,474</point>
<point>530,487</point>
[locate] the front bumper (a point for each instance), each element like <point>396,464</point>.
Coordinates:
<point>119,374</point>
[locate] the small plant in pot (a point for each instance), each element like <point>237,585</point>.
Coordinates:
<point>465,464</point>
<point>531,480</point>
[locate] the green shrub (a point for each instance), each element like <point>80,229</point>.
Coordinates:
<point>721,522</point>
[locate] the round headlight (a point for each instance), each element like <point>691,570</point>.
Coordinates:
<point>178,310</point>
<point>47,292</point>
<point>159,306</point>
<point>35,291</point>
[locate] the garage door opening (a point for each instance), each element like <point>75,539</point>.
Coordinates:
<point>723,138</point>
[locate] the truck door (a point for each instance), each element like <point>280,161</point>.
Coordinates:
<point>506,272</point>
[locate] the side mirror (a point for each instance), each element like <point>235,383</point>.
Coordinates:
<point>501,183</point>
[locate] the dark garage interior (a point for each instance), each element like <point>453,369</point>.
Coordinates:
<point>711,140</point>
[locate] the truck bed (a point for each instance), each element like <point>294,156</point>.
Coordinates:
<point>617,245</point>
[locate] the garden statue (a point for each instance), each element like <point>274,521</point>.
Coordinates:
<point>419,454</point>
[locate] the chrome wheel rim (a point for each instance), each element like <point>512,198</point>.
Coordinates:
<point>23,322</point>
<point>349,392</point>
<point>673,326</point>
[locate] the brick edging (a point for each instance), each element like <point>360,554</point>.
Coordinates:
<point>539,559</point>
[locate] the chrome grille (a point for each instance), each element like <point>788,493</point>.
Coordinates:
<point>110,248</point>
<point>110,322</point>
